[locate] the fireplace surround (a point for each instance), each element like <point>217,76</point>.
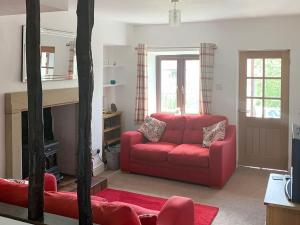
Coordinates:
<point>15,104</point>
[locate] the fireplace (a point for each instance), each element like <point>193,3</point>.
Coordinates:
<point>58,101</point>
<point>51,147</point>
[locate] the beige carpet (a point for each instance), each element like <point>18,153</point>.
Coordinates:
<point>240,201</point>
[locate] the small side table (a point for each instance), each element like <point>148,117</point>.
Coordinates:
<point>280,211</point>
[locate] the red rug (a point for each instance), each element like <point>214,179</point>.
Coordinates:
<point>204,215</point>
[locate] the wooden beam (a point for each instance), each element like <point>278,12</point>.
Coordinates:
<point>35,112</point>
<point>85,23</point>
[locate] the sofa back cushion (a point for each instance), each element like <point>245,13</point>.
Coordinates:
<point>13,193</point>
<point>193,133</point>
<point>175,127</point>
<point>104,213</point>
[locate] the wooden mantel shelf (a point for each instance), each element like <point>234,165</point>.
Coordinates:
<point>17,101</point>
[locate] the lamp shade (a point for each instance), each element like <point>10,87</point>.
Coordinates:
<point>174,17</point>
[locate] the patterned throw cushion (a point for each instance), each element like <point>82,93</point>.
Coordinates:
<point>17,181</point>
<point>152,129</point>
<point>213,133</point>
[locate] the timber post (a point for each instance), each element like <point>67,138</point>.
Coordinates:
<point>85,23</point>
<point>35,113</point>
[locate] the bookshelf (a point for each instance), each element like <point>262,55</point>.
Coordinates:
<point>112,128</point>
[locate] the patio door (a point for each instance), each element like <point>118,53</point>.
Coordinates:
<point>177,84</point>
<point>264,109</point>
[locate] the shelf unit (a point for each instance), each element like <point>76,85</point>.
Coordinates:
<point>112,66</point>
<point>112,128</point>
<point>112,85</point>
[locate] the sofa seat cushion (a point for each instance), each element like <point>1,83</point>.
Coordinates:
<point>189,155</point>
<point>153,152</point>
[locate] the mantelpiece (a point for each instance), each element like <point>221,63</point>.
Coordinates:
<point>15,104</point>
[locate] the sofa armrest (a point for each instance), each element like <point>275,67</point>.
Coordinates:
<point>222,158</point>
<point>128,139</point>
<point>50,182</point>
<point>177,211</point>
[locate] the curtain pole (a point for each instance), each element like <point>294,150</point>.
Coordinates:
<point>173,48</point>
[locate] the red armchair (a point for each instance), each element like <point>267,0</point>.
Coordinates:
<point>179,154</point>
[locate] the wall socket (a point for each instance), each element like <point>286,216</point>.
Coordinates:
<point>296,131</point>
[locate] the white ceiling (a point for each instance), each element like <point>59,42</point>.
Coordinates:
<point>156,11</point>
<point>13,7</point>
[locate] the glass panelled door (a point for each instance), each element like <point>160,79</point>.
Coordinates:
<point>178,81</point>
<point>168,87</point>
<point>192,86</point>
<point>263,113</point>
<point>264,79</point>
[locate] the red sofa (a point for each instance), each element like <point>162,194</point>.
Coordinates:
<point>176,211</point>
<point>179,153</point>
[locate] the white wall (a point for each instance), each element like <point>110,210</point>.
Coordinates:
<point>10,63</point>
<point>231,36</point>
<point>121,95</point>
<point>125,94</point>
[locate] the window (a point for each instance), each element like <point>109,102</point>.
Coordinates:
<point>177,88</point>
<point>264,87</point>
<point>47,61</point>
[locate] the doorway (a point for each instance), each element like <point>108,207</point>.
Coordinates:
<point>264,109</point>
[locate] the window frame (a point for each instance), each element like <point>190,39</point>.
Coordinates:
<point>181,74</point>
<point>47,50</point>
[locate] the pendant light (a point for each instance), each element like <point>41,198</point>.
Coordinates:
<point>174,14</point>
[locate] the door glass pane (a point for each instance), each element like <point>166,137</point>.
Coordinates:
<point>168,85</point>
<point>44,59</point>
<point>254,67</point>
<point>192,76</point>
<point>273,88</point>
<point>254,108</point>
<point>273,67</point>
<point>272,108</point>
<point>254,87</point>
